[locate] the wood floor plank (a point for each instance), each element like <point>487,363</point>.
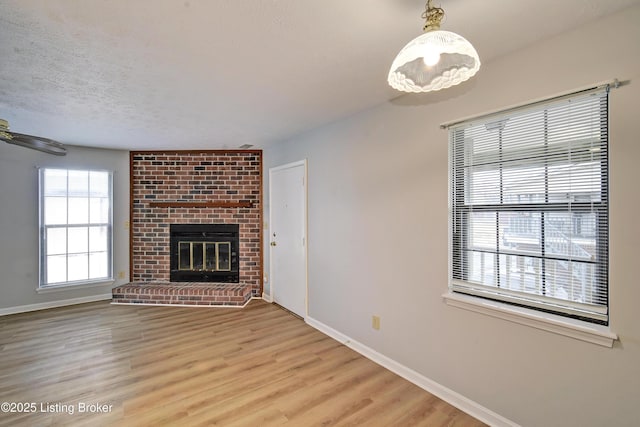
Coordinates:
<point>256,366</point>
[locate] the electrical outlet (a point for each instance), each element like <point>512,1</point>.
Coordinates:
<point>375,323</point>
<point>121,274</point>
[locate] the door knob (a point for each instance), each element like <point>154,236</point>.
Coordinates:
<point>273,243</point>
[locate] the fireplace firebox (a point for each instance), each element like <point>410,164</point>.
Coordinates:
<point>204,253</point>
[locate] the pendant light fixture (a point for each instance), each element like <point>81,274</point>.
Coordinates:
<point>434,60</point>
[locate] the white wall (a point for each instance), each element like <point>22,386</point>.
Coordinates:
<point>19,221</point>
<point>378,238</point>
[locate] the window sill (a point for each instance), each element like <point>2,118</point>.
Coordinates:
<point>577,329</point>
<point>81,285</point>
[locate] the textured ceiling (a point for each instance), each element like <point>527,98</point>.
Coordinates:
<point>158,74</point>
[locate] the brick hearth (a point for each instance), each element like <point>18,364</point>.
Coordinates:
<point>192,187</point>
<point>183,293</point>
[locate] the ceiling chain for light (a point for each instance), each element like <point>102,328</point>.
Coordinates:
<point>433,16</point>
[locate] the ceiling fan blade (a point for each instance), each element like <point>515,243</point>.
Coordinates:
<point>45,145</point>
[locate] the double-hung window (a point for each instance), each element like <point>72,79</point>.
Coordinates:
<point>75,227</point>
<point>529,206</point>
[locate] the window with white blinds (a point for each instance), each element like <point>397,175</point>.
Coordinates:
<point>529,204</point>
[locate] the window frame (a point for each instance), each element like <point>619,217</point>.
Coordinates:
<point>43,285</point>
<point>517,306</point>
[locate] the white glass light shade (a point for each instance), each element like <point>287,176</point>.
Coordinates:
<point>456,58</point>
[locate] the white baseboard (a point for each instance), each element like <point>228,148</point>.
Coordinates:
<point>464,404</point>
<point>52,304</point>
<point>267,297</point>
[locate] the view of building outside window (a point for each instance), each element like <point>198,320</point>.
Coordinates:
<point>530,202</point>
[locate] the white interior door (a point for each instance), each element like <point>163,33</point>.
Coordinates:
<point>288,236</point>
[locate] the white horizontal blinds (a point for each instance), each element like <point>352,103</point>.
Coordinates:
<point>530,206</point>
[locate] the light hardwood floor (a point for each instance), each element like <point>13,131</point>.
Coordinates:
<point>155,366</point>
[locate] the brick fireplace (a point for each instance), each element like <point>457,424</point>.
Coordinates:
<point>179,188</point>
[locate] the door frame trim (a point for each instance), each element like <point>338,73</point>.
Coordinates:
<point>304,164</point>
